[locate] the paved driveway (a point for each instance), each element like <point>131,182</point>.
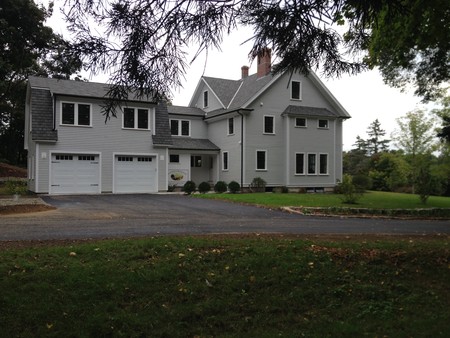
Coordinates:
<point>139,215</point>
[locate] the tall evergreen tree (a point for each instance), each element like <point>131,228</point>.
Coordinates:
<point>28,47</point>
<point>375,142</point>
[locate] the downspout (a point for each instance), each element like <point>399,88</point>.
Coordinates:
<point>242,148</point>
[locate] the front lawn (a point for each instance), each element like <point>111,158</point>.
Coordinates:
<point>255,286</point>
<point>371,199</point>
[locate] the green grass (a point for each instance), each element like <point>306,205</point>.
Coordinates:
<point>228,287</point>
<point>371,199</point>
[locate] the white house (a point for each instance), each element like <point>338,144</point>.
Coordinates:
<point>286,129</point>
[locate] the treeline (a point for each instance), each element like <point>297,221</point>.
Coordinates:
<point>416,159</point>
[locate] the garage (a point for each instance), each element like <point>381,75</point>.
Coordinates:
<point>75,174</point>
<point>135,174</point>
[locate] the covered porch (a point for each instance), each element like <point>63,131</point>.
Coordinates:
<point>194,160</point>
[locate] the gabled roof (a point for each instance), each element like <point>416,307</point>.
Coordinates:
<point>75,88</point>
<point>239,94</point>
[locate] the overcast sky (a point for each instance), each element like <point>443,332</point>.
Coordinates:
<point>364,96</point>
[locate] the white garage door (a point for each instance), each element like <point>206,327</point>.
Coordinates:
<point>75,174</point>
<point>135,174</point>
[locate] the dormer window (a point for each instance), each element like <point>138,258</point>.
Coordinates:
<point>75,114</point>
<point>296,90</point>
<point>205,99</point>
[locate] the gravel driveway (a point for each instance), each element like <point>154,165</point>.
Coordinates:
<point>100,216</point>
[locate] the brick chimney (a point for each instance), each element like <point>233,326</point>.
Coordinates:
<point>244,72</point>
<point>264,62</point>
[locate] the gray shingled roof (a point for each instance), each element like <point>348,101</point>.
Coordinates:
<point>162,130</point>
<point>75,88</point>
<point>223,88</point>
<point>179,110</point>
<point>309,111</point>
<point>187,143</point>
<point>42,116</point>
<point>235,93</point>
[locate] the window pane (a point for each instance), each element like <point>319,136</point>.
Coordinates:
<point>231,126</point>
<point>268,124</point>
<point>174,158</point>
<point>323,164</point>
<point>225,161</point>
<point>205,99</point>
<point>68,113</point>
<point>295,90</point>
<point>142,118</point>
<point>299,163</point>
<point>300,122</point>
<point>323,123</point>
<point>261,160</point>
<point>128,118</point>
<point>174,127</point>
<point>185,128</point>
<point>311,163</point>
<point>84,114</point>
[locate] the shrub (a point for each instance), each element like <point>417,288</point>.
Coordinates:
<point>204,187</point>
<point>349,190</point>
<point>362,182</point>
<point>234,187</point>
<point>171,187</point>
<point>258,185</point>
<point>16,187</point>
<point>220,187</point>
<point>284,190</point>
<point>189,187</point>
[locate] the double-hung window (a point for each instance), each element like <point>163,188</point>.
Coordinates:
<point>311,164</point>
<point>225,160</point>
<point>180,127</point>
<point>299,164</point>
<point>76,114</point>
<point>261,160</point>
<point>323,164</point>
<point>269,124</point>
<point>300,122</point>
<point>205,99</point>
<point>136,118</point>
<point>231,126</point>
<point>323,124</point>
<point>296,90</point>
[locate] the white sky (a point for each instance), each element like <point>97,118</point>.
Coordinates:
<point>364,96</point>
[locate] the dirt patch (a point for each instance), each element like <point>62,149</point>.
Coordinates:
<point>7,170</point>
<point>24,208</point>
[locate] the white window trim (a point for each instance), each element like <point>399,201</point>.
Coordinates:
<point>75,118</point>
<point>179,127</point>
<point>304,165</point>
<point>228,126</point>
<point>223,161</point>
<point>328,164</point>
<point>149,118</point>
<point>307,165</point>
<point>300,91</point>
<point>265,159</point>
<point>328,124</point>
<point>264,125</point>
<point>306,122</point>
